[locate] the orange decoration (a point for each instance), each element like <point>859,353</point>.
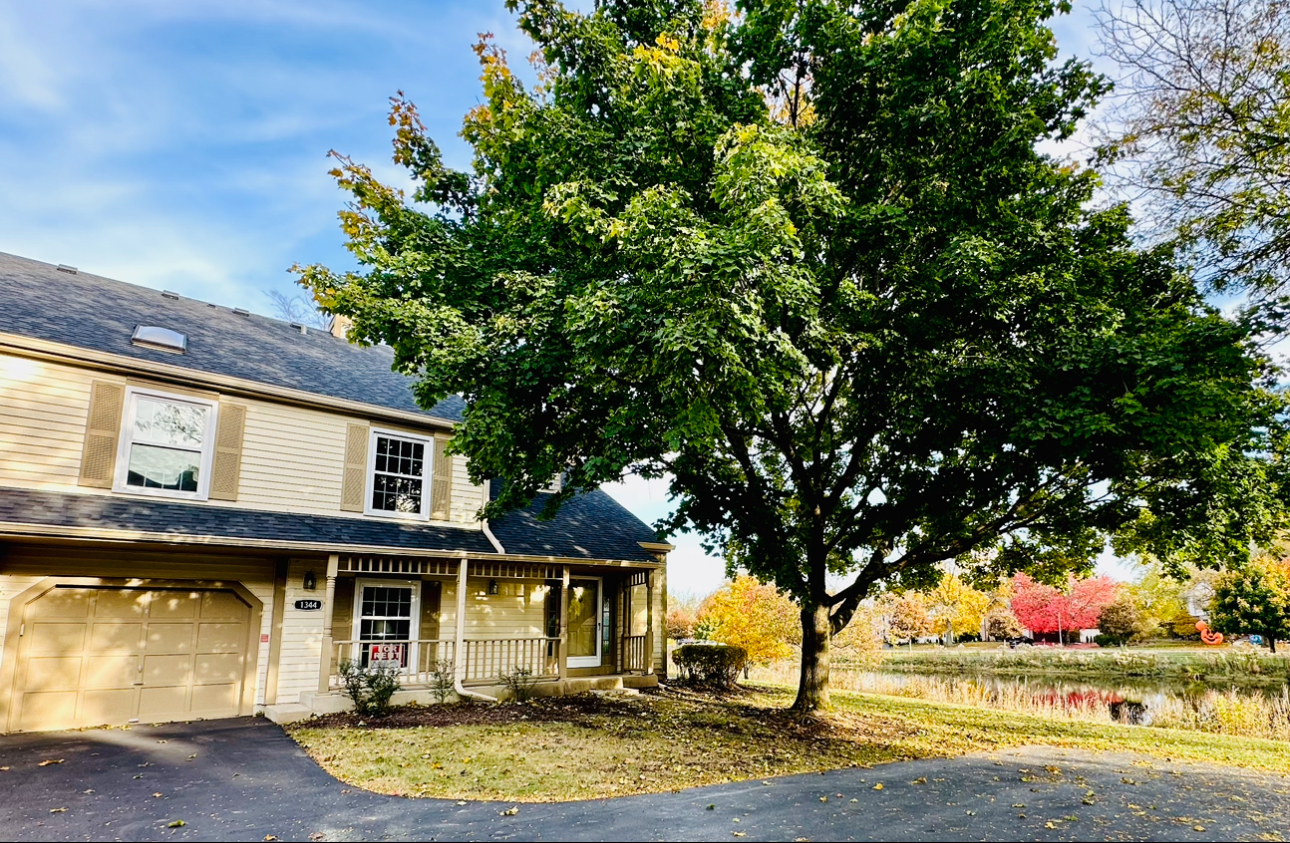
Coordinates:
<point>1208,637</point>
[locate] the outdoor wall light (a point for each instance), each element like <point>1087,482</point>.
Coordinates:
<point>492,587</point>
<point>311,581</point>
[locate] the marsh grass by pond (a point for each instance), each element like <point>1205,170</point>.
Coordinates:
<point>1184,664</point>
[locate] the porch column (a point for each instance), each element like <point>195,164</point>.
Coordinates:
<point>459,650</point>
<point>329,605</point>
<point>563,643</point>
<point>649,623</point>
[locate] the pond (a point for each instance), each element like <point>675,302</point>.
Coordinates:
<point>1195,705</point>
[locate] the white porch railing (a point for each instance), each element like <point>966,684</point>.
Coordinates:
<point>634,656</point>
<point>490,658</point>
<point>419,660</point>
<point>486,660</point>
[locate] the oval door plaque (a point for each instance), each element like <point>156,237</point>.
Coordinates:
<point>309,605</point>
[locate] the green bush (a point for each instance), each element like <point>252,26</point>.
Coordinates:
<point>717,665</point>
<point>370,688</point>
<point>443,680</point>
<point>519,682</point>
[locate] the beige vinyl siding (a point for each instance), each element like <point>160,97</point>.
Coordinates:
<point>467,498</point>
<point>42,422</point>
<point>23,565</point>
<point>298,659</point>
<point>292,457</point>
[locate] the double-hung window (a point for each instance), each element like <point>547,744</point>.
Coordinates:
<point>399,475</point>
<point>386,621</point>
<point>167,444</point>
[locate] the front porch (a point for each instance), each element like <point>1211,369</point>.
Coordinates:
<point>565,627</point>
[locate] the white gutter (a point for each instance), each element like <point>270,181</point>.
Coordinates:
<point>488,534</point>
<point>459,654</point>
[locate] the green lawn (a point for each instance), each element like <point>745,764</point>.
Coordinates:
<point>591,747</point>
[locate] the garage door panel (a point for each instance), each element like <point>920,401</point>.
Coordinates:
<point>167,670</point>
<point>162,702</point>
<point>54,637</point>
<point>116,638</point>
<point>170,638</point>
<point>223,604</point>
<point>52,673</point>
<point>67,603</point>
<point>221,638</point>
<point>172,605</point>
<point>216,699</point>
<point>111,672</point>
<point>53,710</point>
<point>218,668</point>
<point>100,707</point>
<point>124,603</point>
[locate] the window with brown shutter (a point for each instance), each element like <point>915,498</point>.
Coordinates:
<point>102,432</point>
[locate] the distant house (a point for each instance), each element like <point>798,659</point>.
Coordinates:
<point>203,511</point>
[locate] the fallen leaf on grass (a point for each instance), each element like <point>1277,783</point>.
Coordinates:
<point>157,795</point>
<point>739,833</point>
<point>47,762</point>
<point>510,812</point>
<point>269,837</point>
<point>176,824</point>
<point>920,780</point>
<point>58,810</point>
<point>878,786</point>
<point>4,769</point>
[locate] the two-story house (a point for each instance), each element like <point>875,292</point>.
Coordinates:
<point>204,511</point>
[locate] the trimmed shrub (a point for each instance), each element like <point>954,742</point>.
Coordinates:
<point>717,665</point>
<point>519,682</point>
<point>370,688</point>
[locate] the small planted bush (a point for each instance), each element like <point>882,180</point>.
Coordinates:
<point>370,688</point>
<point>443,679</point>
<point>519,682</point>
<point>716,665</point>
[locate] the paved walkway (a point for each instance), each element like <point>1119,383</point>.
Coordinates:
<point>246,780</point>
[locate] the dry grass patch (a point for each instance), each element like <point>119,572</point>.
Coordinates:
<point>592,747</point>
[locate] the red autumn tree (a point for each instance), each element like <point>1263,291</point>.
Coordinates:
<point>1044,608</point>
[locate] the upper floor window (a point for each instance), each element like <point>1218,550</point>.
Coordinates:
<point>399,475</point>
<point>166,445</point>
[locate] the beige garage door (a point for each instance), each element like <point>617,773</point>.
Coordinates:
<point>105,656</point>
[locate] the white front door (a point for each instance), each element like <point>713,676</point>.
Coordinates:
<point>585,621</point>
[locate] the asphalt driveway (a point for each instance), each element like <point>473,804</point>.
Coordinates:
<point>246,780</point>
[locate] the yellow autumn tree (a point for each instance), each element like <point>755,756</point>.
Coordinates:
<point>753,615</point>
<point>955,608</point>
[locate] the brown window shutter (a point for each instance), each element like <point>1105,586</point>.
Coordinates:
<point>354,487</point>
<point>441,485</point>
<point>102,432</point>
<point>226,471</point>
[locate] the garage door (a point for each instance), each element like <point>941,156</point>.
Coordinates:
<point>106,656</point>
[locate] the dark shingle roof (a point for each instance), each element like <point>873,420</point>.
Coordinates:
<point>194,521</point>
<point>591,525</point>
<point>88,311</point>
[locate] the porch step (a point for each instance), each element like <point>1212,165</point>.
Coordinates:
<point>287,712</point>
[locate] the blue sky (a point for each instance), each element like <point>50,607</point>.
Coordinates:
<point>182,145</point>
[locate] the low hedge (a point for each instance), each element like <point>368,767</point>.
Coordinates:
<point>710,664</point>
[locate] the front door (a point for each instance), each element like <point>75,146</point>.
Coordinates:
<point>585,619</point>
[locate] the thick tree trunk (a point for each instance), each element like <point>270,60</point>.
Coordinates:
<point>1272,643</point>
<point>817,635</point>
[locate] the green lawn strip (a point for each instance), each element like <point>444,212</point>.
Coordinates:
<point>675,740</point>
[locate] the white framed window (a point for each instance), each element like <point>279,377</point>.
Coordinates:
<point>167,445</point>
<point>398,474</point>
<point>387,621</point>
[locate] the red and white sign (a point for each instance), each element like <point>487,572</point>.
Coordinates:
<point>378,653</point>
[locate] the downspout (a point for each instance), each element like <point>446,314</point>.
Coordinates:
<point>492,538</point>
<point>459,654</point>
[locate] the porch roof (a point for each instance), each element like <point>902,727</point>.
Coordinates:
<point>590,525</point>
<point>109,517</point>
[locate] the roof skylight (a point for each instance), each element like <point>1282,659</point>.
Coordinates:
<point>163,339</point>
